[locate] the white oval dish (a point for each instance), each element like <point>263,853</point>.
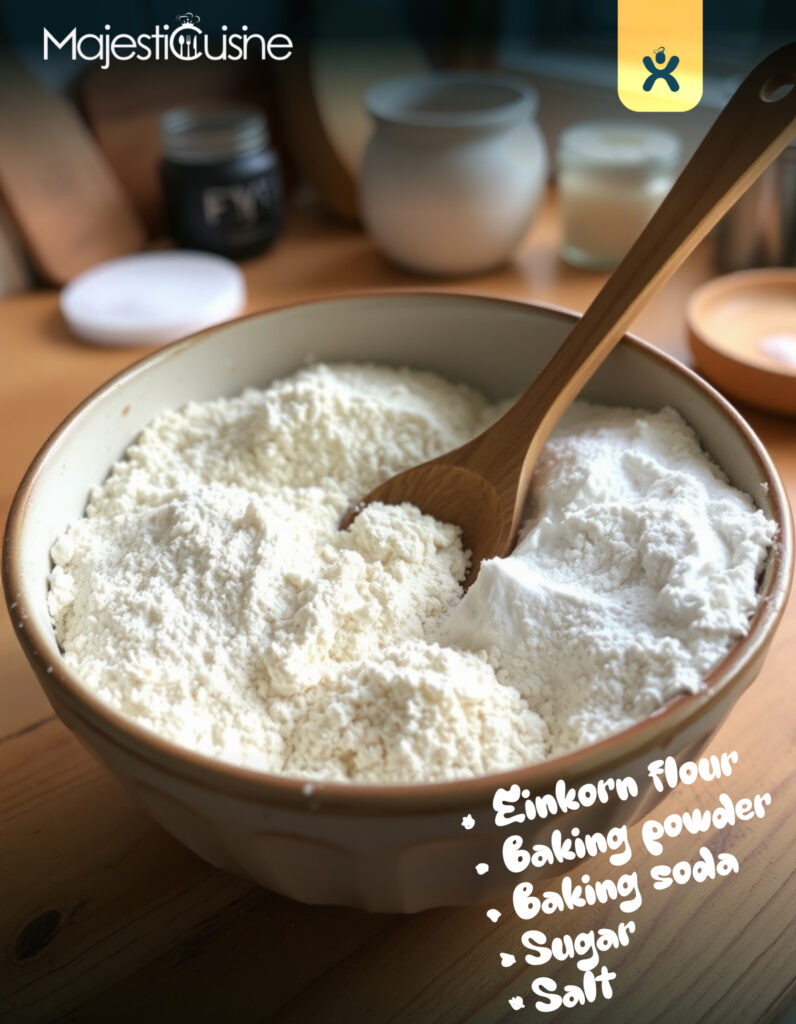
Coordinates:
<point>152,298</point>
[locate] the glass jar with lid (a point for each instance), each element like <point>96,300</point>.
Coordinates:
<point>612,176</point>
<point>221,180</point>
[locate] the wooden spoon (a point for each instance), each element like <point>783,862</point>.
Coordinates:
<point>482,485</point>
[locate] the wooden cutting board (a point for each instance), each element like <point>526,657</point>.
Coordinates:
<point>15,274</point>
<point>68,208</point>
<point>349,46</point>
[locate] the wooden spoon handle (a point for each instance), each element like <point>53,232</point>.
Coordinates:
<point>753,128</point>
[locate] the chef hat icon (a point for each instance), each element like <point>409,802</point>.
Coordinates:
<point>189,18</point>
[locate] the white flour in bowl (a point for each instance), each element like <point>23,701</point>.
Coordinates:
<point>208,593</point>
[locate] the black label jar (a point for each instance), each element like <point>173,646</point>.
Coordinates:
<point>221,180</point>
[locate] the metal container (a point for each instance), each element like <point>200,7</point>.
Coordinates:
<point>760,229</point>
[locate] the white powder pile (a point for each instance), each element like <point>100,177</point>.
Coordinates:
<point>209,594</point>
<point>637,568</point>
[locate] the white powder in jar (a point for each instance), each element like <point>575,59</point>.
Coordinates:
<point>209,594</point>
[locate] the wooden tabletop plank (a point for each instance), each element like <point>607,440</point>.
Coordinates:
<point>137,914</point>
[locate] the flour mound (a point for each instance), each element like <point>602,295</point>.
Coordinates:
<point>422,712</point>
<point>209,594</point>
<point>638,558</point>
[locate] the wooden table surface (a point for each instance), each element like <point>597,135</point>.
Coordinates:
<point>104,917</point>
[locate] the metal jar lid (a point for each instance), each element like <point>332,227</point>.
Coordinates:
<point>195,135</point>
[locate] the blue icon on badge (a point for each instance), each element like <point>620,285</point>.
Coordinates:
<point>664,73</point>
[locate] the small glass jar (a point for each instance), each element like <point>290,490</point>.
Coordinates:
<point>221,180</point>
<point>612,176</point>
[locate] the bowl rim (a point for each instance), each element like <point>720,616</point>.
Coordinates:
<point>62,686</point>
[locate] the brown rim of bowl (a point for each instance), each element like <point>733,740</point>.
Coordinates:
<point>410,798</point>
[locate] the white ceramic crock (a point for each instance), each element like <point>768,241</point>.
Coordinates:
<point>454,171</point>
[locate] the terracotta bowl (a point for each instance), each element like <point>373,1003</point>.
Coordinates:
<point>385,848</point>
<point>742,330</point>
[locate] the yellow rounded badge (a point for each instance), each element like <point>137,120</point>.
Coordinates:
<point>659,54</point>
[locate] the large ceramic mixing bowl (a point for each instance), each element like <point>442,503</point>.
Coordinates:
<point>396,847</point>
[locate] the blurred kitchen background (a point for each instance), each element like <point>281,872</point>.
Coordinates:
<point>98,163</point>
